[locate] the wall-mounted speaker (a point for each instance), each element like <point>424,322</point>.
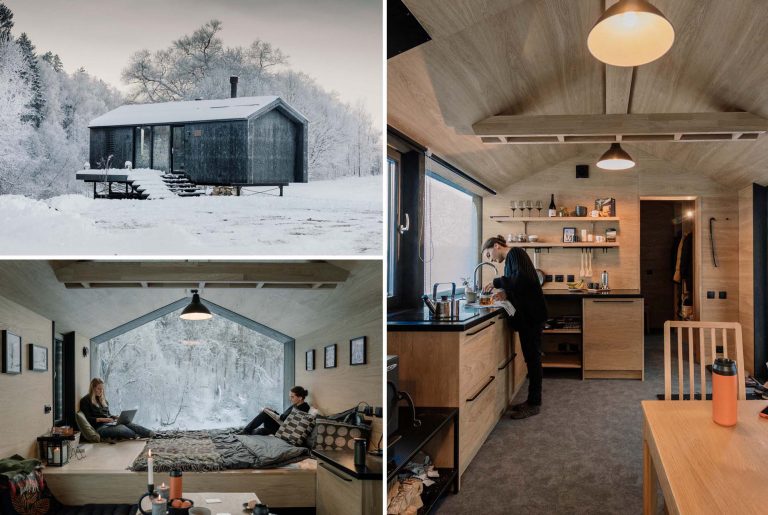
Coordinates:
<point>582,171</point>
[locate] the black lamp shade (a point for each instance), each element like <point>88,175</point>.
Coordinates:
<point>195,310</point>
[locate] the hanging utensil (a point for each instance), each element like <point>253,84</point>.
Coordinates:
<point>589,263</point>
<point>712,241</point>
<point>581,269</point>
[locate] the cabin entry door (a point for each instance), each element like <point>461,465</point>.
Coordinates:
<point>178,162</point>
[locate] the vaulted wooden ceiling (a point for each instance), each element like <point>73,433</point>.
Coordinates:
<point>530,57</point>
<point>116,296</point>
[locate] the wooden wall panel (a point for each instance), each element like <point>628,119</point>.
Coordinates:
<point>746,277</point>
<point>82,367</point>
<point>23,396</point>
<point>651,177</point>
<point>355,309</point>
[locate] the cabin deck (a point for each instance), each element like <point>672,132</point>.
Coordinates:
<point>102,477</point>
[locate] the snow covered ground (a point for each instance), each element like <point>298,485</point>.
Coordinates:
<point>337,217</point>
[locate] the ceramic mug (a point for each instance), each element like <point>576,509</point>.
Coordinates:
<point>471,296</point>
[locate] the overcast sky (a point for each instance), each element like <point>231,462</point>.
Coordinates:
<point>338,42</point>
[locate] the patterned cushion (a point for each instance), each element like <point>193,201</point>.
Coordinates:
<point>296,428</point>
<point>87,431</point>
<point>331,435</point>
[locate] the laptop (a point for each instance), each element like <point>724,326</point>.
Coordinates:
<point>126,417</point>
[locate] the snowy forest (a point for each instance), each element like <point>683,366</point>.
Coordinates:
<point>183,374</point>
<point>45,111</point>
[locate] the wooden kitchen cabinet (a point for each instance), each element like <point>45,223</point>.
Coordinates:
<point>461,370</point>
<point>339,493</point>
<point>613,338</point>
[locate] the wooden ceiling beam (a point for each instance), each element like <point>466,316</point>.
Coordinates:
<point>674,127</point>
<point>207,274</point>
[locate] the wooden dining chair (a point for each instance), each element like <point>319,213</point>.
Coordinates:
<point>701,333</point>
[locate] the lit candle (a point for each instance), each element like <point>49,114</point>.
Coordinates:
<point>150,467</point>
<point>56,454</point>
<point>159,506</point>
<point>164,491</point>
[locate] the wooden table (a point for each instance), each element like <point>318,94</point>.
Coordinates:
<point>703,467</point>
<point>230,502</point>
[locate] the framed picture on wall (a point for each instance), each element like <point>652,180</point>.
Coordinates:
<point>37,360</point>
<point>11,353</point>
<point>357,354</point>
<point>330,356</point>
<point>310,359</point>
<point>569,234</point>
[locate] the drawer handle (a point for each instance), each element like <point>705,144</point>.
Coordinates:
<point>482,389</point>
<point>332,471</point>
<point>481,330</point>
<point>502,367</point>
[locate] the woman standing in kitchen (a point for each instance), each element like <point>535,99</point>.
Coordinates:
<point>520,285</point>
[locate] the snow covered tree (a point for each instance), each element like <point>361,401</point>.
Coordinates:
<point>6,22</point>
<point>54,60</point>
<point>14,133</point>
<point>32,77</point>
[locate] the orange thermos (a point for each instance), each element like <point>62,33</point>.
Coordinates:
<point>724,392</point>
<point>176,491</point>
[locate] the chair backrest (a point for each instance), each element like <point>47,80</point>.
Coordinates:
<point>706,335</point>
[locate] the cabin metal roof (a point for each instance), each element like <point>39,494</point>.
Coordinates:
<point>241,108</point>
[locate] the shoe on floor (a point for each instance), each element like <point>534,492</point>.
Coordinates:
<point>525,412</point>
<point>519,406</point>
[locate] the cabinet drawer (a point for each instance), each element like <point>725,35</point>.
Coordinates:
<point>337,493</point>
<point>613,334</point>
<point>476,357</point>
<point>477,417</point>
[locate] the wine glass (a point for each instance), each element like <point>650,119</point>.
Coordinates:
<point>521,205</point>
<point>529,207</point>
<point>513,205</point>
<point>539,206</point>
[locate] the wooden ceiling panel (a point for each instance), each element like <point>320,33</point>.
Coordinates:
<point>531,58</point>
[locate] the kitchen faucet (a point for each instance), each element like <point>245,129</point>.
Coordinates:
<point>474,272</point>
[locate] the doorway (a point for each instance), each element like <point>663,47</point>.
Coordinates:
<point>178,161</point>
<point>667,269</point>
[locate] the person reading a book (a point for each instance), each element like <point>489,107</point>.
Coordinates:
<point>268,421</point>
<point>95,407</point>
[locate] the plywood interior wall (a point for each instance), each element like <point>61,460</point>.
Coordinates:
<point>651,177</point>
<point>746,277</point>
<point>82,367</point>
<point>354,310</point>
<point>23,396</point>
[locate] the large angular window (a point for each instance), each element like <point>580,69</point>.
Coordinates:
<point>142,137</point>
<point>194,374</point>
<point>161,147</point>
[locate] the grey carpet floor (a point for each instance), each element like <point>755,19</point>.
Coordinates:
<point>582,454</point>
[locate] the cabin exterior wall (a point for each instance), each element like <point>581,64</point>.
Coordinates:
<point>114,141</point>
<point>216,152</point>
<point>276,149</point>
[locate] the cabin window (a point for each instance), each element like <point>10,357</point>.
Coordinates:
<point>142,138</point>
<point>58,380</point>
<point>451,231</point>
<point>161,148</point>
<point>183,374</point>
<point>393,210</point>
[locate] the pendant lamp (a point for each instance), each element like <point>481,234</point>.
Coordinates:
<point>195,310</point>
<point>615,159</point>
<point>630,33</point>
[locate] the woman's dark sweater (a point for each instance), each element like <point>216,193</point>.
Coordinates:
<point>93,411</point>
<point>301,407</point>
<point>521,284</point>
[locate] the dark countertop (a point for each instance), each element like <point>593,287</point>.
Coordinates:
<point>419,319</point>
<point>611,293</point>
<point>345,461</point>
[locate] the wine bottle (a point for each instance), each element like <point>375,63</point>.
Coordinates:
<point>552,208</point>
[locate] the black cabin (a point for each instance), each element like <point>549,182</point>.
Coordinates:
<point>247,141</point>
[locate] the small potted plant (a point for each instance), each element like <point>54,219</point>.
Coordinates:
<point>469,291</point>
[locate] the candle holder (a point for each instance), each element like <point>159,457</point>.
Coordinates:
<point>151,494</point>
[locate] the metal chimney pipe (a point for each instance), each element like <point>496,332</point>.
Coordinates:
<point>233,86</point>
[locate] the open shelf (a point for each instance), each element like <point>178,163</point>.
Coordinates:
<point>561,360</point>
<point>556,244</point>
<point>554,219</point>
<point>432,493</point>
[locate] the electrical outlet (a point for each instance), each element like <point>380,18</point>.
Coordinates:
<point>710,294</point>
<point>46,409</point>
<point>571,278</point>
<point>548,278</point>
<point>722,295</point>
<point>558,278</point>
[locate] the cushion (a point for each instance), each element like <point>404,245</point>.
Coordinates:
<point>87,432</point>
<point>296,428</point>
<point>332,435</point>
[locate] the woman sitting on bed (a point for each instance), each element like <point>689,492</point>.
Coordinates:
<point>267,418</point>
<point>96,410</point>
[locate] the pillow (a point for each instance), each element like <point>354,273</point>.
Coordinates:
<point>87,431</point>
<point>332,435</point>
<point>296,428</point>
